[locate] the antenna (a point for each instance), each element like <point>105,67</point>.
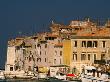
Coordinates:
<point>88,19</point>
<point>53,22</point>
<point>108,22</point>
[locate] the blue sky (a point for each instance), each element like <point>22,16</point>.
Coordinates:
<point>32,16</point>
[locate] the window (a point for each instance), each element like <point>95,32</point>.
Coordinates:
<point>45,45</point>
<point>38,45</point>
<point>83,56</point>
<point>60,53</point>
<point>35,46</point>
<point>74,56</point>
<point>54,61</point>
<point>103,44</point>
<point>75,43</point>
<point>95,44</point>
<point>29,68</point>
<point>55,52</point>
<point>30,59</point>
<point>24,51</point>
<point>88,56</point>
<point>11,68</point>
<point>38,59</point>
<point>83,43</point>
<point>40,52</point>
<point>89,44</point>
<point>60,60</point>
<point>45,52</point>
<point>45,60</point>
<point>16,68</point>
<point>94,56</point>
<point>102,56</point>
<point>30,52</point>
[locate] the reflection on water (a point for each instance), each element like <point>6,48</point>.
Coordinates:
<point>13,80</point>
<point>19,80</point>
<point>27,80</point>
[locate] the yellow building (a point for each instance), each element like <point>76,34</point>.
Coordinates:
<point>67,52</point>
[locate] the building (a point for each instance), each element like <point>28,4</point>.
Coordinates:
<point>77,45</point>
<point>14,52</point>
<point>87,50</point>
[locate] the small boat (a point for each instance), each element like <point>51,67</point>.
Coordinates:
<point>2,75</point>
<point>72,78</point>
<point>20,75</point>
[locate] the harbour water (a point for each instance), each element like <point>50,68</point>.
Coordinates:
<point>20,80</point>
<point>15,80</point>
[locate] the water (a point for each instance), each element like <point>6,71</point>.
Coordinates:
<point>31,81</point>
<point>27,80</point>
<point>19,80</point>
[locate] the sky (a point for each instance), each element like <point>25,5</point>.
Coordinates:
<point>27,17</point>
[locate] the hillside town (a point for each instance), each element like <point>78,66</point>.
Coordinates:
<point>73,48</point>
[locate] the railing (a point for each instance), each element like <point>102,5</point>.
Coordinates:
<point>100,62</point>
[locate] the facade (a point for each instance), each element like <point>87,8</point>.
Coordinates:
<point>10,59</point>
<point>58,54</point>
<point>14,54</point>
<point>89,50</point>
<point>77,45</point>
<point>67,51</point>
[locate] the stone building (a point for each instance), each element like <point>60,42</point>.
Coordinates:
<point>88,50</point>
<point>78,44</point>
<point>14,55</point>
<point>90,45</point>
<point>58,54</point>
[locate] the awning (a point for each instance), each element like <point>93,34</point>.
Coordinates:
<point>90,67</point>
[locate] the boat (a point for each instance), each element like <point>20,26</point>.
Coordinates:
<point>42,75</point>
<point>72,78</point>
<point>20,75</point>
<point>2,75</point>
<point>90,78</point>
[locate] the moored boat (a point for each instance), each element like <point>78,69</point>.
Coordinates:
<point>20,75</point>
<point>2,74</point>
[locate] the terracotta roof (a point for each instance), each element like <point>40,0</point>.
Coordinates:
<point>16,42</point>
<point>28,42</point>
<point>59,44</point>
<point>51,35</point>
